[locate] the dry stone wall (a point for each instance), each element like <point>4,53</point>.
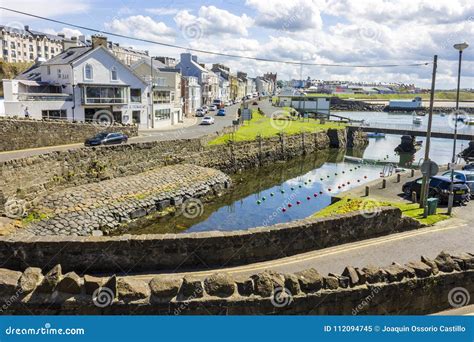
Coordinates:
<point>18,134</point>
<point>416,288</point>
<point>160,252</point>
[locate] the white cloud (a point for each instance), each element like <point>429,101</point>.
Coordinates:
<point>66,31</point>
<point>212,21</point>
<point>285,15</point>
<point>140,26</point>
<point>162,10</point>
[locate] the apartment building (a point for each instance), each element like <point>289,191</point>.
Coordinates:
<point>165,102</point>
<point>25,45</point>
<point>190,95</point>
<point>79,84</point>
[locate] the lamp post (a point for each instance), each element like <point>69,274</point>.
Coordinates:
<point>460,47</point>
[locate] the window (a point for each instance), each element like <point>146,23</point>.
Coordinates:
<point>136,95</point>
<point>136,116</point>
<point>54,114</point>
<point>162,114</point>
<point>88,72</point>
<point>59,73</point>
<point>113,74</point>
<point>104,95</point>
<point>161,97</point>
<point>48,70</point>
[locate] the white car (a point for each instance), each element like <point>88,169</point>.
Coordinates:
<point>207,120</point>
<point>228,103</point>
<point>205,109</point>
<point>212,107</point>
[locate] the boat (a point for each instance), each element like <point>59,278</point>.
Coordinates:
<point>442,115</point>
<point>375,135</point>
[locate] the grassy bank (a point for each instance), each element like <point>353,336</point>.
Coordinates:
<point>347,205</point>
<point>265,127</point>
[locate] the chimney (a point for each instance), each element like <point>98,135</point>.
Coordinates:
<point>194,58</point>
<point>62,35</point>
<point>99,41</point>
<point>82,39</point>
<point>27,27</point>
<point>69,43</point>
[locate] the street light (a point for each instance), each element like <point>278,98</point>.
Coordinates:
<point>460,47</point>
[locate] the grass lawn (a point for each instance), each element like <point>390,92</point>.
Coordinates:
<point>267,127</point>
<point>440,95</point>
<point>347,205</point>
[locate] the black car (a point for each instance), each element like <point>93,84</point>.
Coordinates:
<point>468,167</point>
<point>439,188</point>
<point>106,139</point>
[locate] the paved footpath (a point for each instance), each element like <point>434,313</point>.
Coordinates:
<point>106,205</point>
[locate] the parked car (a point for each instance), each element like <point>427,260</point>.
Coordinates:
<point>221,112</point>
<point>207,120</point>
<point>205,109</point>
<point>106,139</point>
<point>465,176</point>
<point>212,107</point>
<point>228,103</point>
<point>200,112</point>
<point>439,188</point>
<point>468,167</point>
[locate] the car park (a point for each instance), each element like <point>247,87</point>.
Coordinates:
<point>221,112</point>
<point>105,138</point>
<point>439,188</point>
<point>207,120</point>
<point>463,175</point>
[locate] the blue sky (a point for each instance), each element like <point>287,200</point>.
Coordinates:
<point>320,31</point>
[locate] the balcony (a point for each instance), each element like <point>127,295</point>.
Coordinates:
<point>44,97</point>
<point>104,95</point>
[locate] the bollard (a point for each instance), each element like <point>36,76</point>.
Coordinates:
<point>412,173</point>
<point>414,197</point>
<point>366,191</point>
<point>384,183</point>
<point>399,177</point>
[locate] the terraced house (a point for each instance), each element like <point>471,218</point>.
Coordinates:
<point>78,84</point>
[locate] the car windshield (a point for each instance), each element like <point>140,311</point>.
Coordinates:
<point>101,135</point>
<point>470,177</point>
<point>207,118</point>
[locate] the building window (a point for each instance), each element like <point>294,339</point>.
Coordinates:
<point>162,114</point>
<point>136,116</point>
<point>59,73</point>
<point>54,114</point>
<point>161,97</point>
<point>88,72</point>
<point>48,70</point>
<point>113,74</point>
<point>136,95</point>
<point>105,95</point>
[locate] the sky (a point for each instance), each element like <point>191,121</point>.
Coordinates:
<point>312,31</point>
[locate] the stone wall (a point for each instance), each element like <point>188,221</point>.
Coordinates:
<point>35,176</point>
<point>156,252</point>
<point>18,134</point>
<point>416,288</point>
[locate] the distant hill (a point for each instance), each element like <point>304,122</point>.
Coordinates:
<point>11,70</point>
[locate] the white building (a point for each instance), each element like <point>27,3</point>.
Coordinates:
<point>25,45</point>
<point>165,104</point>
<point>191,95</point>
<point>82,84</point>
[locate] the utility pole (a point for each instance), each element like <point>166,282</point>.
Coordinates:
<point>460,47</point>
<point>426,177</point>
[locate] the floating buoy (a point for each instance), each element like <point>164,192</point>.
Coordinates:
<point>358,181</point>
<point>350,169</point>
<point>320,192</point>
<point>343,185</point>
<point>335,174</point>
<point>315,195</point>
<point>264,198</point>
<point>272,194</point>
<point>320,178</point>
<point>329,189</point>
<point>289,205</point>
<point>308,198</point>
<point>299,186</point>
<point>327,176</point>
<point>365,177</point>
<point>309,180</point>
<point>305,183</point>
<point>283,210</point>
<point>343,171</point>
<point>259,202</point>
<point>339,187</point>
<point>282,191</point>
<point>298,202</point>
<point>348,182</point>
<point>292,189</point>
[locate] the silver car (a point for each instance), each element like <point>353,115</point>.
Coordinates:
<point>463,175</point>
